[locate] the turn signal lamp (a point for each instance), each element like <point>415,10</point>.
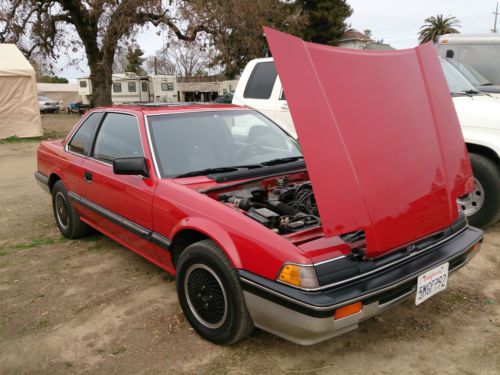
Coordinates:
<point>300,276</point>
<point>348,310</point>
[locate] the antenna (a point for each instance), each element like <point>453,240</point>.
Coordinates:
<point>496,17</point>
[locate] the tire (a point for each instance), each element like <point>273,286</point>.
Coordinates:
<point>210,294</point>
<point>482,206</point>
<point>67,220</point>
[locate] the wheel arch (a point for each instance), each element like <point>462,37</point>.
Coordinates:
<point>53,178</point>
<point>192,230</point>
<point>474,148</point>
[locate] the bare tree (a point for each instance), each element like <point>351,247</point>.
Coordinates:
<point>159,63</point>
<point>51,26</point>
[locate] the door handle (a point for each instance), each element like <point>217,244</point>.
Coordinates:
<point>87,177</point>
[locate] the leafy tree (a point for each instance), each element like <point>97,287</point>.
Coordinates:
<point>52,79</point>
<point>96,26</point>
<point>134,60</point>
<point>326,20</point>
<point>237,32</point>
<point>435,26</point>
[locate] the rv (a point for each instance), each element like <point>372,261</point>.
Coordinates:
<point>131,88</point>
<point>479,51</point>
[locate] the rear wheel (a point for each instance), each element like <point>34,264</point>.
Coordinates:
<point>210,294</point>
<point>67,219</point>
<point>482,206</point>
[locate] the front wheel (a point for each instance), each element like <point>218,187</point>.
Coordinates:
<point>482,206</point>
<point>210,294</point>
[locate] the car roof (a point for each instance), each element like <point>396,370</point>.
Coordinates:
<point>166,108</point>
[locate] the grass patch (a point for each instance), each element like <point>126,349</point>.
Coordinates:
<point>118,351</point>
<point>16,139</point>
<point>36,242</point>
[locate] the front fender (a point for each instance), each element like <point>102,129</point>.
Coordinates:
<point>215,232</point>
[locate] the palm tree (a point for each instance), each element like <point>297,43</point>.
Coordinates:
<point>435,26</point>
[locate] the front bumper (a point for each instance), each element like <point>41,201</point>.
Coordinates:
<point>307,317</point>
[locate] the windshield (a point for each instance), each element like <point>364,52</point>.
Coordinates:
<point>44,98</point>
<point>470,73</point>
<point>190,142</point>
<point>456,81</point>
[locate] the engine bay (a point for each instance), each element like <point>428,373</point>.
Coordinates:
<point>284,207</point>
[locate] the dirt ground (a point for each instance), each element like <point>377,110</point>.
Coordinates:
<point>92,307</point>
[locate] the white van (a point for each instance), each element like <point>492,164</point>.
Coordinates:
<point>260,87</point>
<point>479,51</point>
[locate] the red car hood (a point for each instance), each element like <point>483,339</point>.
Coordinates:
<point>380,138</point>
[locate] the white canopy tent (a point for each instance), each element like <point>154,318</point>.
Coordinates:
<point>19,110</point>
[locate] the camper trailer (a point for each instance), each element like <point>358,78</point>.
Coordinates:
<point>480,51</point>
<point>131,88</point>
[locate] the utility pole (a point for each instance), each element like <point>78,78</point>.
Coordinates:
<point>496,17</point>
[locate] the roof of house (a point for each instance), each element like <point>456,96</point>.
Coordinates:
<point>353,34</point>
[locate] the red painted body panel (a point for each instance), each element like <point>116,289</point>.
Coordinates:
<point>380,137</point>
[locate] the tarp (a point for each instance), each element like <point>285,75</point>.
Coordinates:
<point>380,136</point>
<point>19,110</point>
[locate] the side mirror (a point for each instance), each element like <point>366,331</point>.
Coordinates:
<point>134,165</point>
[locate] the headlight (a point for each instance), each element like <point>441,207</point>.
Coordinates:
<point>298,275</point>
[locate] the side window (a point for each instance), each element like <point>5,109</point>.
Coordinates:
<point>80,143</point>
<point>144,86</point>
<point>117,87</point>
<point>118,136</point>
<point>282,95</point>
<point>132,87</point>
<point>261,82</point>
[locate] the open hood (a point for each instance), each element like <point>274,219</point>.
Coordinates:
<point>380,137</point>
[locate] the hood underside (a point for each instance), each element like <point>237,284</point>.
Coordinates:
<point>380,137</point>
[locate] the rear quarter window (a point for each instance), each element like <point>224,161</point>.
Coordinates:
<point>80,143</point>
<point>261,81</point>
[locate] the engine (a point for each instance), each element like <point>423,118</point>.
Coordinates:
<point>284,208</point>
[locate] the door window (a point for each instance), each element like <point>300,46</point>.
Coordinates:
<point>80,143</point>
<point>261,82</point>
<point>144,86</point>
<point>118,137</point>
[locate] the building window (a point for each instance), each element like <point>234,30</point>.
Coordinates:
<point>117,87</point>
<point>132,87</point>
<point>83,84</point>
<point>167,86</point>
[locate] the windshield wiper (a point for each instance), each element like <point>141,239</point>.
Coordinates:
<point>207,171</point>
<point>282,160</point>
<point>465,92</point>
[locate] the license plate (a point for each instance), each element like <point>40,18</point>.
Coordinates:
<point>431,282</point>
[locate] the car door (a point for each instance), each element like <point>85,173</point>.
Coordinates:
<point>120,204</point>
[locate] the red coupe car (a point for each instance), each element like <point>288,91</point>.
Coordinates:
<point>304,241</point>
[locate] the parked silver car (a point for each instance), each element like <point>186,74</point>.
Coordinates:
<point>47,105</point>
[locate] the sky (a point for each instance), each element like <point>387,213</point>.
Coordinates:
<point>395,21</point>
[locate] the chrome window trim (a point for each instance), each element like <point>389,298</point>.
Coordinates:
<point>151,148</point>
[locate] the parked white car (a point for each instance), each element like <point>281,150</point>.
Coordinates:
<point>260,87</point>
<point>47,105</point>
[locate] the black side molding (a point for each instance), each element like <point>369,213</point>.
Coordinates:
<point>43,181</point>
<point>138,230</point>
